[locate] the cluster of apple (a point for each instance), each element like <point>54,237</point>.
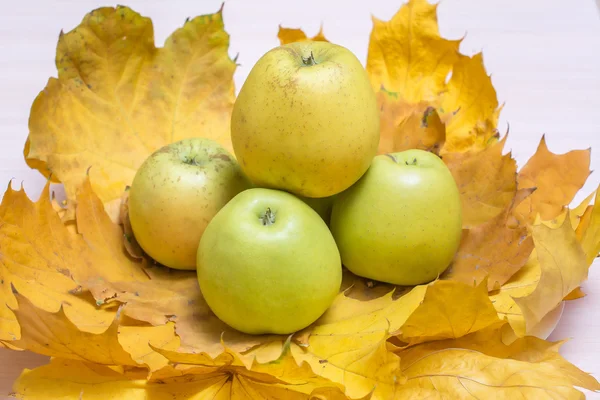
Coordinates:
<point>269,230</point>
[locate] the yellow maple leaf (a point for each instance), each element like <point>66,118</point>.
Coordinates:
<point>555,268</point>
<point>53,334</point>
<point>280,379</point>
<point>407,56</point>
<point>437,318</point>
<point>589,231</point>
<point>349,344</point>
<point>174,296</point>
<point>121,327</point>
<point>486,181</point>
<point>468,356</point>
<point>469,106</point>
<point>290,35</point>
<point>563,268</point>
<point>42,260</point>
<point>351,330</point>
<point>557,178</point>
<point>493,251</point>
<point>118,98</point>
<point>481,365</point>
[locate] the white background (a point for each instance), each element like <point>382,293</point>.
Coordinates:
<point>544,57</point>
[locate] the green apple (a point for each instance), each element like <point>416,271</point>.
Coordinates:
<point>306,120</point>
<point>174,195</point>
<point>401,223</point>
<point>322,205</point>
<point>267,263</point>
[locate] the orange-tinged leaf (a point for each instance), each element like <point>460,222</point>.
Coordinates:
<point>494,250</point>
<point>486,181</point>
<point>290,35</point>
<point>469,106</point>
<point>408,126</point>
<point>42,259</point>
<point>449,310</point>
<point>557,177</point>
<point>575,294</point>
<point>480,365</point>
<point>105,239</point>
<point>118,98</point>
<point>407,55</point>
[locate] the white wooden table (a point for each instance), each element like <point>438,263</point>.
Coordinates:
<point>544,57</point>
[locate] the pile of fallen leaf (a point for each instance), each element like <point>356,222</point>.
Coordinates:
<point>119,326</point>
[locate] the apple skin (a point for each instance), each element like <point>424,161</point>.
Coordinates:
<point>322,205</point>
<point>311,130</point>
<point>401,223</point>
<point>176,192</point>
<point>276,278</point>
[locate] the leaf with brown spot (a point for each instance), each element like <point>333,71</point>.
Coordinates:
<point>118,98</point>
<point>45,262</point>
<point>408,126</point>
<point>557,177</point>
<point>486,181</point>
<point>469,106</point>
<point>407,56</point>
<point>290,35</point>
<point>493,251</point>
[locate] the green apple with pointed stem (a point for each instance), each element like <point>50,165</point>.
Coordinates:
<point>267,263</point>
<point>401,223</point>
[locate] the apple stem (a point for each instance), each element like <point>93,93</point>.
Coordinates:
<point>268,218</point>
<point>191,161</point>
<point>309,60</point>
<point>414,162</point>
